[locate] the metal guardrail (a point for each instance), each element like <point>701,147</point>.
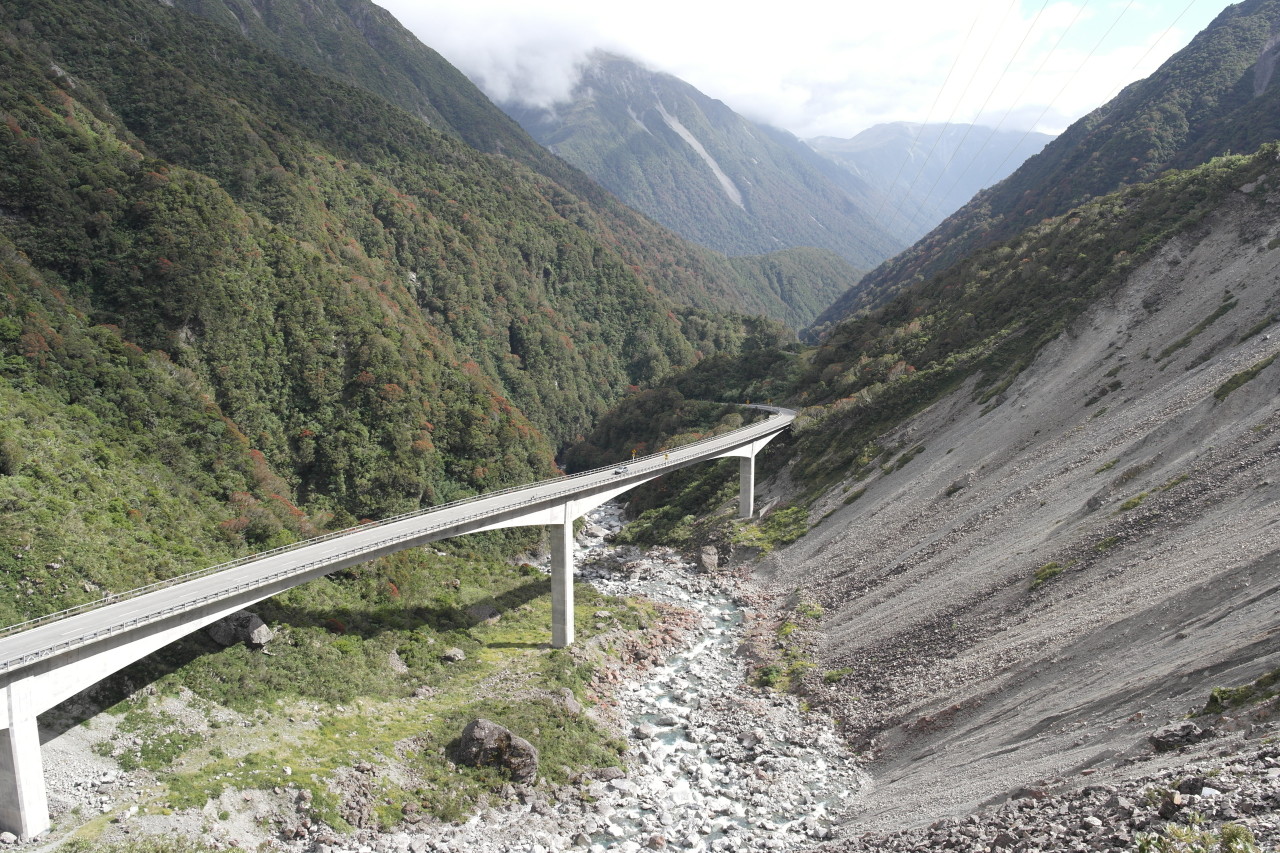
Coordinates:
<point>638,464</point>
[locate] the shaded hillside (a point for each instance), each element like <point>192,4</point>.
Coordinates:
<point>926,172</point>
<point>1214,96</point>
<point>357,42</point>
<point>697,167</point>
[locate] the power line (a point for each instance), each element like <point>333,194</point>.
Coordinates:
<point>1070,80</point>
<point>969,127</point>
<point>929,115</point>
<point>947,126</point>
<point>1043,62</point>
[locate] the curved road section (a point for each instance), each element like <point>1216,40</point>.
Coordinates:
<point>47,660</point>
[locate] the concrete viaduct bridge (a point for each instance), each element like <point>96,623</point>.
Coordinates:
<point>48,660</point>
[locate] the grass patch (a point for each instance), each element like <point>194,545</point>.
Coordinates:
<point>1133,502</point>
<point>1241,378</point>
<point>835,676</point>
<point>854,495</point>
<point>1260,689</point>
<point>908,456</point>
<point>1106,467</point>
<point>778,528</point>
<point>1195,838</point>
<point>340,686</point>
<point>1113,385</point>
<point>1260,327</point>
<point>1107,544</point>
<point>1045,573</point>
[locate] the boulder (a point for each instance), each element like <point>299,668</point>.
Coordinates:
<point>242,627</point>
<point>485,614</point>
<point>453,655</point>
<point>570,702</point>
<point>487,744</point>
<point>1179,735</point>
<point>708,558</point>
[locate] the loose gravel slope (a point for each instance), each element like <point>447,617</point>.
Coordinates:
<point>1110,461</point>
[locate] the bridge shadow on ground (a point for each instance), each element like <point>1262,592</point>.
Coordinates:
<point>366,622</point>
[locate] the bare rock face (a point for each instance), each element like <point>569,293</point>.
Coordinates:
<point>243,627</point>
<point>487,744</point>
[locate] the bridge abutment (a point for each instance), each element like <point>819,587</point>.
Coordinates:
<point>24,806</point>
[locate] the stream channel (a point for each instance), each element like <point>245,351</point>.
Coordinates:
<point>714,764</point>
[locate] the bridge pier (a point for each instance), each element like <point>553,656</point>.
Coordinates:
<point>747,486</point>
<point>562,584</point>
<point>24,806</point>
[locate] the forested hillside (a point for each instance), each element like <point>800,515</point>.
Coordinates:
<point>1215,96</point>
<point>356,42</point>
<point>301,302</point>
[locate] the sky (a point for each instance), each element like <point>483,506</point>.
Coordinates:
<point>824,67</point>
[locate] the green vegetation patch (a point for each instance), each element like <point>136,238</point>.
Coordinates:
<point>1226,305</point>
<point>778,528</point>
<point>1241,378</point>
<point>1260,689</point>
<point>835,676</point>
<point>1133,502</point>
<point>1194,837</point>
<point>1046,573</point>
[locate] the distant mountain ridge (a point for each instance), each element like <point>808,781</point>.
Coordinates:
<point>927,171</point>
<point>1217,95</point>
<point>699,168</point>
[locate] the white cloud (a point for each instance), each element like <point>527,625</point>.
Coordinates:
<point>817,68</point>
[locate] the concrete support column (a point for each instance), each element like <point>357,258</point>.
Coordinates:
<point>562,584</point>
<point>746,486</point>
<point>24,807</point>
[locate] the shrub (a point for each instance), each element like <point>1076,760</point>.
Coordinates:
<point>1045,573</point>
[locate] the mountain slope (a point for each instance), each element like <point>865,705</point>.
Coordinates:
<point>929,171</point>
<point>1021,588</point>
<point>694,165</point>
<point>1040,495</point>
<point>1214,96</point>
<point>357,42</point>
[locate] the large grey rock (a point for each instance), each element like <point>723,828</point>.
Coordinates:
<point>487,744</point>
<point>1179,735</point>
<point>454,655</point>
<point>242,627</point>
<point>570,702</point>
<point>709,558</point>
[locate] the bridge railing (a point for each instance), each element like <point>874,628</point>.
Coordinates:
<point>306,543</point>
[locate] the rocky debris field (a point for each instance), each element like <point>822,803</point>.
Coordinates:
<point>1199,801</point>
